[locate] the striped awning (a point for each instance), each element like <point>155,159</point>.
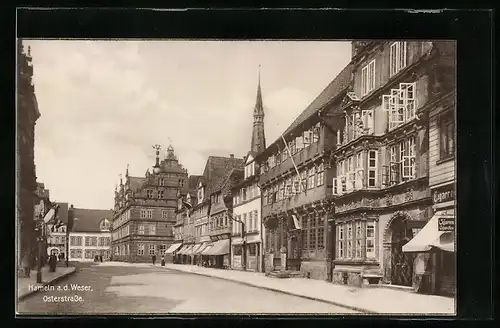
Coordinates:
<point>221,247</point>
<point>183,249</point>
<point>173,248</point>
<point>188,250</point>
<point>207,249</point>
<point>193,250</point>
<point>200,249</point>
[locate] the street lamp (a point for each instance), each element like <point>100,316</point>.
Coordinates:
<point>39,239</point>
<point>228,201</point>
<point>69,227</point>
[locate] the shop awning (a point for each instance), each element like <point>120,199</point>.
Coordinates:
<point>173,248</point>
<point>193,250</point>
<point>207,249</point>
<point>221,247</point>
<point>430,236</point>
<point>183,249</point>
<point>188,250</point>
<point>200,249</point>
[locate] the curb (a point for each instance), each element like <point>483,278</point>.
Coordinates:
<point>56,279</point>
<point>365,311</point>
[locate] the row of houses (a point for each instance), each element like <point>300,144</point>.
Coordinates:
<point>359,189</point>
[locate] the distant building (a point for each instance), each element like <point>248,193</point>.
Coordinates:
<point>184,224</point>
<point>144,213</point>
<point>202,247</point>
<point>27,113</point>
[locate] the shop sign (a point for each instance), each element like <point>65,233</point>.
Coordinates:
<point>444,193</point>
<point>446,224</point>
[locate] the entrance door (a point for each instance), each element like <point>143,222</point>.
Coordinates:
<point>401,263</point>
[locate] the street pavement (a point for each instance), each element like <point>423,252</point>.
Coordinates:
<point>143,289</point>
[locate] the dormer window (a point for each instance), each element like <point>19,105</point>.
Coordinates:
<point>105,225</point>
<point>200,194</point>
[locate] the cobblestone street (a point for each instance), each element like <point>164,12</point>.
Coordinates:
<point>142,289</point>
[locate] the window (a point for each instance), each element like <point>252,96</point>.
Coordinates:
<point>140,249</point>
<point>281,194</point>
<point>107,241</point>
<point>150,213</point>
<point>316,131</point>
<point>359,171</point>
<point>341,241</point>
<point>372,168</point>
<point>152,229</point>
<point>359,240</point>
<point>349,241</point>
<point>250,222</point>
<point>288,188</point>
<point>144,213</point>
<point>303,177</point>
<point>255,221</point>
<point>101,241</point>
<point>149,193</point>
<point>308,135</point>
<point>87,241</point>
<point>397,57</point>
<point>446,136</point>
<point>162,249</point>
<point>312,233</point>
<point>407,150</point>
<point>245,221</point>
<point>152,249</point>
<point>141,229</point>
<point>161,181</point>
<point>400,104</point>
<point>160,194</point>
<point>368,78</point>
<point>370,240</point>
<point>320,176</point>
<point>321,232</point>
<point>310,181</point>
<point>296,184</point>
<point>164,214</point>
<point>367,118</point>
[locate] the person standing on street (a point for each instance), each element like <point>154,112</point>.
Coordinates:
<point>154,259</point>
<point>26,265</point>
<point>162,260</point>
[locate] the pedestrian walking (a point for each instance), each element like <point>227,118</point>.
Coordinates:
<point>163,260</point>
<point>52,263</point>
<point>100,258</point>
<point>154,259</point>
<point>25,262</point>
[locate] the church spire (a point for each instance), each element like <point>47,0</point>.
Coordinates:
<point>258,138</point>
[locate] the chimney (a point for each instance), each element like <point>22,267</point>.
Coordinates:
<point>231,155</point>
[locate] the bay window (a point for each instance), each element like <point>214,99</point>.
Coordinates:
<point>356,240</point>
<point>407,149</point>
<point>397,57</point>
<point>367,118</point>
<point>358,182</point>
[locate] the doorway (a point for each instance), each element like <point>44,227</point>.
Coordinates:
<point>401,262</point>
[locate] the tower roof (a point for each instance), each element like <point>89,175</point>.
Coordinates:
<point>258,143</point>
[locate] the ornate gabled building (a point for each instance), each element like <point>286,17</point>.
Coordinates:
<point>294,180</point>
<point>27,113</point>
<point>144,212</point>
<point>203,248</point>
<point>380,187</point>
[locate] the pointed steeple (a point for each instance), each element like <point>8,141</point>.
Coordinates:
<point>258,138</point>
<point>126,172</point>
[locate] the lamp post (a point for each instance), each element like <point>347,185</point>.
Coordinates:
<point>228,201</point>
<point>39,238</point>
<point>156,168</point>
<point>69,227</point>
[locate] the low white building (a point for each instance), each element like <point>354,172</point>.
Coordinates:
<point>90,235</point>
<point>246,208</point>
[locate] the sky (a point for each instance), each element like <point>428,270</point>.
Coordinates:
<point>104,104</point>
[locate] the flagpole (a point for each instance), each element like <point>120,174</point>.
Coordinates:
<point>293,162</point>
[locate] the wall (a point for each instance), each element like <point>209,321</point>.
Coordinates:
<point>247,207</point>
<point>439,172</point>
<point>83,248</point>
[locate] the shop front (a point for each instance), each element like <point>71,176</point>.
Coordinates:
<point>253,253</point>
<point>218,253</point>
<point>172,250</point>
<point>182,254</point>
<point>435,246</point>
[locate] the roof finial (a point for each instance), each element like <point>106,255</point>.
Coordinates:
<point>259,74</point>
<point>126,172</point>
<point>121,181</point>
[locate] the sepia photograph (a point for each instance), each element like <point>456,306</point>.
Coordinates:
<point>264,177</point>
